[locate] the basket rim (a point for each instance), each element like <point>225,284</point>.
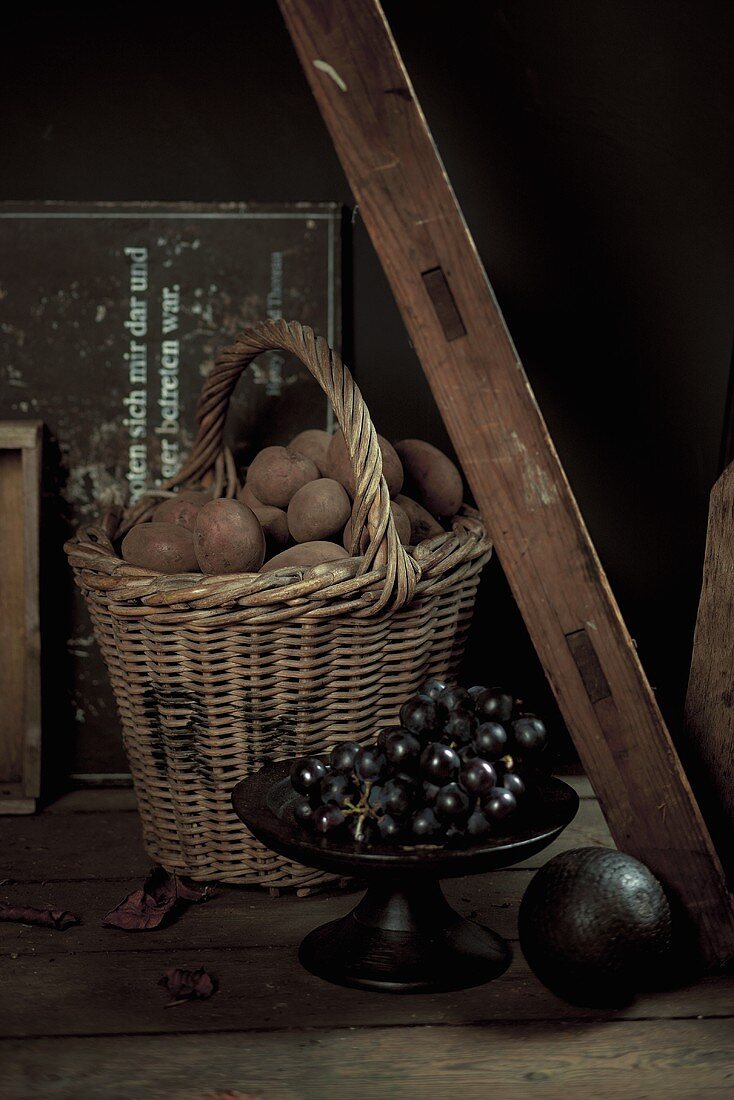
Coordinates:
<point>443,559</point>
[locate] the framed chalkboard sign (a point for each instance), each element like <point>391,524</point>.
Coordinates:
<point>110,316</point>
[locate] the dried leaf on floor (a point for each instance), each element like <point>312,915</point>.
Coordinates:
<point>161,900</point>
<point>188,985</point>
<point>45,918</point>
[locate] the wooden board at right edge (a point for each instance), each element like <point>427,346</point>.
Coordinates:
<point>417,228</point>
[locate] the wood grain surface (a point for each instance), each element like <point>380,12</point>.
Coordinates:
<point>405,198</point>
<point>710,698</point>
<point>682,1059</point>
<point>20,643</point>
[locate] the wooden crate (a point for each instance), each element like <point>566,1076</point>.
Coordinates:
<point>20,639</point>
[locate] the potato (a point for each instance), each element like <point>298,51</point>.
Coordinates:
<point>422,524</point>
<point>178,509</point>
<point>430,477</point>
<point>274,523</point>
<point>272,520</point>
<point>318,510</point>
<point>339,465</point>
<point>305,555</point>
<point>228,538</point>
<point>276,473</point>
<point>313,443</point>
<point>402,526</point>
<point>246,496</point>
<point>164,547</point>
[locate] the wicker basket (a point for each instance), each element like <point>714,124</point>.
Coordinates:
<point>216,675</point>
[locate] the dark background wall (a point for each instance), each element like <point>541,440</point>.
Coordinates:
<point>590,144</point>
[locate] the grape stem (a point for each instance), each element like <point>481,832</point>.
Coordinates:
<point>363,809</point>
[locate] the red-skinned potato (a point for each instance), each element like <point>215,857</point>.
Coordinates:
<point>180,510</point>
<point>318,510</point>
<point>274,523</point>
<point>339,465</point>
<point>402,526</point>
<point>431,478</point>
<point>422,524</point>
<point>246,496</point>
<point>228,538</point>
<point>313,443</point>
<point>305,555</point>
<point>277,473</point>
<point>164,547</point>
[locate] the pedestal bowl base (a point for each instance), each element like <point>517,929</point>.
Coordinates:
<point>400,940</point>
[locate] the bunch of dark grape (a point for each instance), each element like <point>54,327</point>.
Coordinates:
<point>456,769</point>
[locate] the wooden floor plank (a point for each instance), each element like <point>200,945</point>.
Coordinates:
<point>235,917</point>
<point>92,845</point>
<point>121,799</point>
<point>266,988</point>
<point>675,1059</point>
<point>101,844</point>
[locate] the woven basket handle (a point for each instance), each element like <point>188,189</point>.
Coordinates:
<point>371,509</point>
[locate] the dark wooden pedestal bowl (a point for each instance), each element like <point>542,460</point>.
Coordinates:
<point>403,936</point>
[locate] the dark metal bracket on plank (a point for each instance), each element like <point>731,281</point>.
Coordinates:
<point>587,662</point>
<point>444,303</point>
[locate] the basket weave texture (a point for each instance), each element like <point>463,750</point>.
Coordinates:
<point>215,676</point>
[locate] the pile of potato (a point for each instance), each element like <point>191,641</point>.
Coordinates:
<point>294,509</point>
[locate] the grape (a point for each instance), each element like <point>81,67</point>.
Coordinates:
<point>432,688</point>
<point>494,705</point>
<point>403,750</point>
<point>303,811</point>
<point>511,781</point>
<point>383,736</point>
<point>336,788</point>
<point>369,764</point>
<point>439,763</point>
<point>453,699</point>
<point>452,804</point>
<point>498,803</point>
<point>306,774</point>
<point>418,715</point>
<point>430,790</point>
<point>467,753</point>
<point>477,776</point>
<point>478,825</point>
<point>490,740</point>
<point>326,818</point>
<point>424,824</point>
<point>475,692</point>
<point>530,733</point>
<point>389,828</point>
<point>342,757</point>
<point>374,798</point>
<point>398,797</point>
<point>459,728</point>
